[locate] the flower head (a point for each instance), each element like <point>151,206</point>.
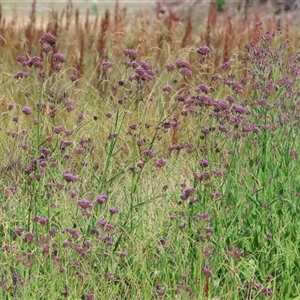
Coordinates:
<point>106,65</point>
<point>48,38</point>
<point>59,58</point>
<point>203,50</point>
<point>130,53</point>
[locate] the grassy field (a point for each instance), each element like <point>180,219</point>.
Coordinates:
<point>144,158</point>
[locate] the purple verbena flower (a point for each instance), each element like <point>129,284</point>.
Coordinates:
<point>106,65</point>
<point>85,204</point>
<point>113,210</point>
<point>46,48</point>
<point>73,77</point>
<point>59,58</point>
<point>21,74</point>
<point>225,65</point>
<point>185,72</point>
<point>26,110</point>
<point>170,67</point>
<point>160,163</point>
<point>21,60</point>
<point>167,88</point>
<point>29,237</point>
<point>203,50</point>
<point>101,199</point>
<point>48,38</point>
<point>69,177</point>
<point>202,88</point>
<point>34,61</point>
<point>181,63</point>
<point>42,74</point>
<point>131,53</point>
<point>145,65</point>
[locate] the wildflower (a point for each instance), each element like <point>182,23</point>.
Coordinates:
<point>204,163</point>
<point>130,53</point>
<point>170,67</point>
<point>238,108</point>
<point>46,48</point>
<point>106,65</point>
<point>202,58</point>
<point>29,237</point>
<point>42,74</point>
<point>73,193</point>
<point>185,72</point>
<point>59,58</point>
<point>167,88</point>
<point>216,77</point>
<point>160,163</point>
<point>203,50</point>
<point>122,254</point>
<point>294,153</point>
<point>21,60</point>
<point>102,223</point>
<point>69,177</point>
<point>26,110</point>
<point>73,77</point>
<point>10,106</point>
<point>113,210</point>
<point>34,61</point>
<point>89,296</point>
<point>85,204</point>
<point>202,88</point>
<point>57,68</point>
<point>225,65</point>
<point>145,65</point>
<point>101,199</point>
<point>149,153</point>
<point>181,63</point>
<point>207,272</point>
<point>21,74</point>
<point>18,231</point>
<point>57,129</point>
<point>48,38</point>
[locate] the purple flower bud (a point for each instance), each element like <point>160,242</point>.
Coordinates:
<point>106,65</point>
<point>46,48</point>
<point>203,50</point>
<point>69,177</point>
<point>85,204</point>
<point>59,58</point>
<point>181,63</point>
<point>101,199</point>
<point>57,129</point>
<point>29,237</point>
<point>167,88</point>
<point>42,74</point>
<point>26,110</point>
<point>73,77</point>
<point>21,74</point>
<point>185,72</point>
<point>48,38</point>
<point>204,163</point>
<point>170,67</point>
<point>130,53</point>
<point>160,163</point>
<point>113,210</point>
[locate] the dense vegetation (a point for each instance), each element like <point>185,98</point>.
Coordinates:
<point>149,164</point>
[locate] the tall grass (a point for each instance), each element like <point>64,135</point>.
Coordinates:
<point>150,164</point>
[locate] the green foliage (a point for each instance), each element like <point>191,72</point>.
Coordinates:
<point>220,5</point>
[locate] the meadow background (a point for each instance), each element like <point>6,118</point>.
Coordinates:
<point>149,157</point>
